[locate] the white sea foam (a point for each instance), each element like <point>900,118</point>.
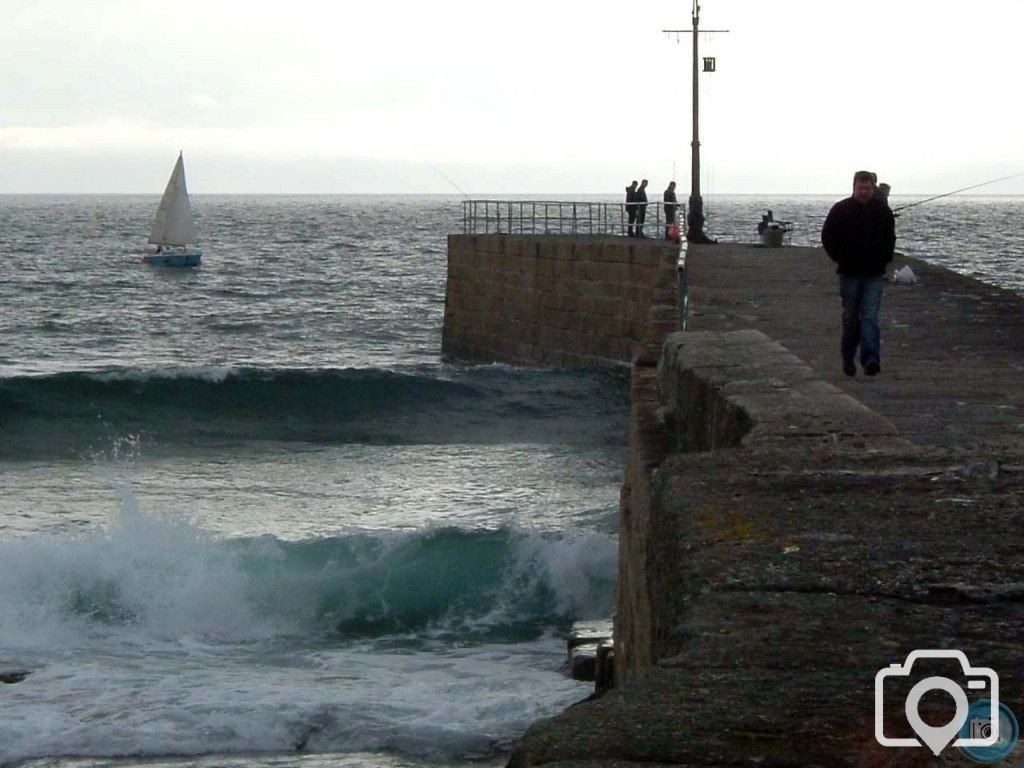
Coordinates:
<point>211,373</point>
<point>162,577</point>
<point>152,637</point>
<point>154,701</point>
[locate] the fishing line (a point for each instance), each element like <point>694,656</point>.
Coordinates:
<point>955,191</point>
<point>444,175</point>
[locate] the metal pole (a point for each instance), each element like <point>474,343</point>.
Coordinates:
<point>695,217</point>
<point>683,295</point>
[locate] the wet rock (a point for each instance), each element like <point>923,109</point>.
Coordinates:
<point>604,669</point>
<point>588,633</point>
<point>12,676</point>
<point>583,662</point>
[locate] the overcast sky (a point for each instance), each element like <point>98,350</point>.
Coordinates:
<point>552,96</point>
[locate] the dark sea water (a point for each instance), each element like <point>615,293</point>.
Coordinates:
<point>249,517</point>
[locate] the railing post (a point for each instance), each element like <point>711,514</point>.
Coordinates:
<point>683,298</point>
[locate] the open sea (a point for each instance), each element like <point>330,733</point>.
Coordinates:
<point>249,517</point>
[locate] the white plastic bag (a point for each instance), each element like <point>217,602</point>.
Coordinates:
<point>904,275</point>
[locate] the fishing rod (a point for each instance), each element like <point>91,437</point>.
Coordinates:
<point>444,175</point>
<point>955,191</point>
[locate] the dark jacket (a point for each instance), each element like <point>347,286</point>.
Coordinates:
<point>860,239</point>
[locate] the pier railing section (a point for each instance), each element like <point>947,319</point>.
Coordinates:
<point>560,217</point>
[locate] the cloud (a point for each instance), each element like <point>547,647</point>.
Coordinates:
<point>577,88</point>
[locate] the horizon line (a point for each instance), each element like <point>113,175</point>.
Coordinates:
<point>484,195</point>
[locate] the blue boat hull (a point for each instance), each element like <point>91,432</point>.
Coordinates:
<point>173,259</point>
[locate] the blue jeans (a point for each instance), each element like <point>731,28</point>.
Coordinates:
<point>862,298</point>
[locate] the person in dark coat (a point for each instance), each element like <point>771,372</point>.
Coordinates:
<point>631,207</point>
<point>859,235</point>
<point>641,208</point>
<point>671,207</point>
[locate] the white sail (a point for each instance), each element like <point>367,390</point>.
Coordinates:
<point>173,224</point>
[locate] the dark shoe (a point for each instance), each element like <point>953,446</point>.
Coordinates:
<point>849,368</point>
<point>872,368</point>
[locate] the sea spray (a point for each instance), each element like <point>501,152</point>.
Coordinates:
<point>169,579</point>
<point>150,636</point>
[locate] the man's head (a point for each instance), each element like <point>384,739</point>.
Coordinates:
<point>643,183</point>
<point>671,185</point>
<point>863,186</point>
<point>632,183</point>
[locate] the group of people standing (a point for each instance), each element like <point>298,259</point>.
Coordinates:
<point>636,210</point>
<point>859,235</point>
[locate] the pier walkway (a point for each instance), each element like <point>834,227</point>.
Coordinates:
<point>952,347</point>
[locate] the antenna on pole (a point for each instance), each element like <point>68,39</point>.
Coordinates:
<point>695,211</point>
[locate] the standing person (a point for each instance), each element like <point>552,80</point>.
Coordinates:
<point>670,208</point>
<point>859,235</point>
<point>882,193</point>
<point>631,206</point>
<point>641,208</point>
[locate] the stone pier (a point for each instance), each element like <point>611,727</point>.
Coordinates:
<point>787,531</point>
<point>558,299</point>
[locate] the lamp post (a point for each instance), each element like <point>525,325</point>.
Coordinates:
<point>695,211</point>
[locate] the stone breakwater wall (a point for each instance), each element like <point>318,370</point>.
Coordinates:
<point>710,391</point>
<point>779,544</point>
<point>558,300</point>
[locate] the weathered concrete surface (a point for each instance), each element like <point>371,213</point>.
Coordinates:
<point>712,391</point>
<point>952,347</point>
<point>721,390</point>
<point>779,582</point>
<point>558,300</point>
<point>765,582</point>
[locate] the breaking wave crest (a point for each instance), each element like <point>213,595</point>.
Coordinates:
<point>171,580</point>
<point>172,411</point>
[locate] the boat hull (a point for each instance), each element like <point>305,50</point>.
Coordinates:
<point>173,259</point>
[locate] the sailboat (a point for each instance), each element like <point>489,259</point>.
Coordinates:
<point>174,232</point>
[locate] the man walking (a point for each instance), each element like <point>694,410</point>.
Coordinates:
<point>641,208</point>
<point>631,206</point>
<point>859,235</point>
<point>669,196</point>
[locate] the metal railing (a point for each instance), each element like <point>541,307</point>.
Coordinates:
<point>560,217</point>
